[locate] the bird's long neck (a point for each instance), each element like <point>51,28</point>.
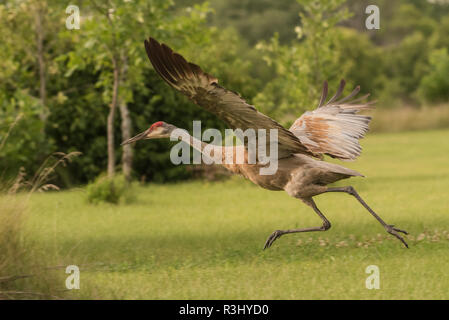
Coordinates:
<point>226,156</point>
<point>192,141</point>
<point>200,145</point>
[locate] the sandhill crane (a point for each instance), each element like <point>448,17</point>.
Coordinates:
<point>333,128</point>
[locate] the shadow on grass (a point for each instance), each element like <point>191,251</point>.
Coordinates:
<point>154,252</point>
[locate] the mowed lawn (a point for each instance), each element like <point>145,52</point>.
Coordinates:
<point>200,240</point>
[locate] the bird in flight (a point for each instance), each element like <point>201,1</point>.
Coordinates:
<point>333,128</point>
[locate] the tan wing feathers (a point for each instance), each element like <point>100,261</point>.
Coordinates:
<point>338,93</point>
<point>334,128</point>
<point>205,91</point>
<point>323,94</point>
<point>350,96</point>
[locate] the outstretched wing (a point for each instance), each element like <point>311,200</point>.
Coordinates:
<point>204,90</point>
<point>334,128</point>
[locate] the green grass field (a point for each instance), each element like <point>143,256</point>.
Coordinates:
<point>201,240</point>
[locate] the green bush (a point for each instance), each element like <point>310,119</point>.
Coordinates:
<point>434,86</point>
<point>113,190</point>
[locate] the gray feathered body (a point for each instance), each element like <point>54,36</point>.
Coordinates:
<point>299,175</point>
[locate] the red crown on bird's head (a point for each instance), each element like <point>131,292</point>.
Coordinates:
<point>156,124</point>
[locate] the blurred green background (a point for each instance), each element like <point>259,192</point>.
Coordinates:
<point>81,90</point>
<point>275,53</point>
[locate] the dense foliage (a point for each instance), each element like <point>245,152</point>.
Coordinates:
<point>113,190</point>
<point>58,84</point>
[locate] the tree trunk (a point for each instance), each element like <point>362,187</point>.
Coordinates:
<point>111,117</point>
<point>127,155</point>
<point>39,16</point>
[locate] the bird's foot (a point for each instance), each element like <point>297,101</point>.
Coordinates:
<point>394,231</point>
<point>272,238</point>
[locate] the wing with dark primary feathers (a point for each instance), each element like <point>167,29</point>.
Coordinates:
<point>334,127</point>
<point>204,90</point>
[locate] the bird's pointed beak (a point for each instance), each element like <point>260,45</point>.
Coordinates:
<point>140,136</point>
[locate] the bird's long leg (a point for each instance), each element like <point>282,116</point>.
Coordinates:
<point>390,228</point>
<point>278,233</point>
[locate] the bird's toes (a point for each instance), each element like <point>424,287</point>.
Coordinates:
<point>394,231</point>
<point>269,242</point>
<point>400,230</point>
<point>275,235</point>
<point>397,229</point>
